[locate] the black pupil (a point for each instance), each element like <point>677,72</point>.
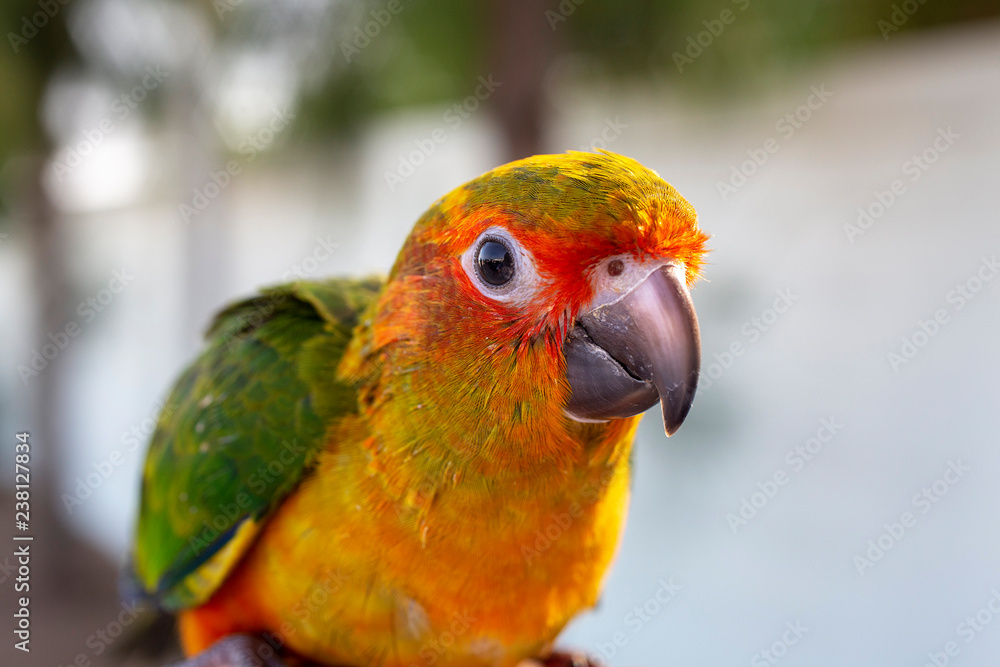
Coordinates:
<point>496,265</point>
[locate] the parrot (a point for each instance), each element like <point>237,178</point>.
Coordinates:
<point>431,468</point>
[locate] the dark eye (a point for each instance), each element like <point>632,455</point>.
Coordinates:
<point>494,262</point>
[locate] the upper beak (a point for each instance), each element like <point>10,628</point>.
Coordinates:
<point>624,356</point>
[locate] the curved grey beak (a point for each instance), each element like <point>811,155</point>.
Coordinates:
<point>623,357</point>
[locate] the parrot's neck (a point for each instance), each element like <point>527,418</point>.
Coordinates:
<point>450,396</point>
<point>440,426</point>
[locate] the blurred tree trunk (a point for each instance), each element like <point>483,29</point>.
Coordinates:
<point>207,239</point>
<point>63,565</point>
<point>72,583</point>
<point>522,50</point>
<point>51,286</point>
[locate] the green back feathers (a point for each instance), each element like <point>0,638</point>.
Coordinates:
<point>242,426</point>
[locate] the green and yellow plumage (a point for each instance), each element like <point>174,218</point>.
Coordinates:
<point>242,426</point>
<point>407,439</point>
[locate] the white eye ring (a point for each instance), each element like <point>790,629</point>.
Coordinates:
<point>523,285</point>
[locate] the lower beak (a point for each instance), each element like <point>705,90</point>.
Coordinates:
<point>624,356</point>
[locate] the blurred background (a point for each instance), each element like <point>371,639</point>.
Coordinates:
<point>832,498</point>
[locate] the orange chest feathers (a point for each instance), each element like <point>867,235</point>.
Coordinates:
<point>476,574</point>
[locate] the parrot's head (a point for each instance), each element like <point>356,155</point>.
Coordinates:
<point>552,290</point>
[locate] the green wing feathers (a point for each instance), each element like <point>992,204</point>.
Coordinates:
<point>242,426</point>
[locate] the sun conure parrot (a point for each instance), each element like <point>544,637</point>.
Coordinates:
<point>432,469</point>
